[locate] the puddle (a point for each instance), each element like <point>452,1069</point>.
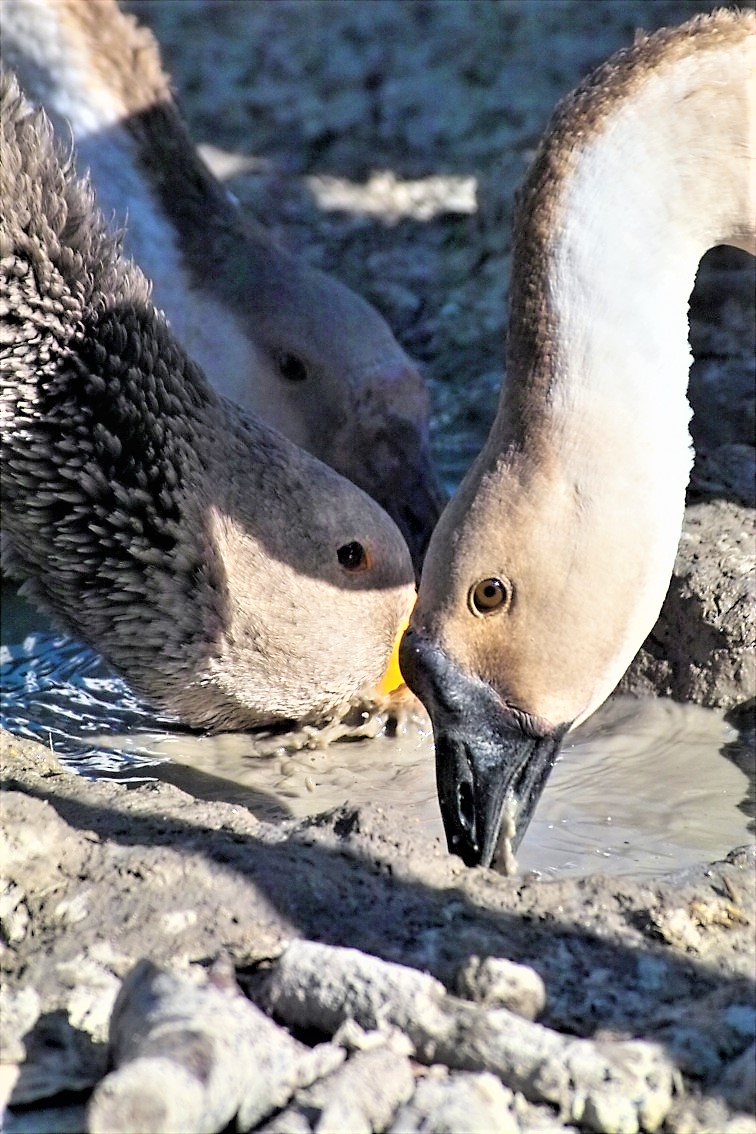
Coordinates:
<point>643,788</point>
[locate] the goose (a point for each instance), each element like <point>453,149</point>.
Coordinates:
<point>289,343</point>
<point>549,566</point>
<point>232,578</point>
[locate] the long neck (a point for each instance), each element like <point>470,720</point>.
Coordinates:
<point>611,229</point>
<point>235,300</point>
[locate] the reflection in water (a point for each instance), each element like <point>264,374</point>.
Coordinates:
<point>60,693</point>
<point>642,788</point>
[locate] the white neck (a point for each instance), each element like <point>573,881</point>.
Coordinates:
<point>642,203</point>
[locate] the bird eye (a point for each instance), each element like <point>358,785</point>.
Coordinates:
<point>292,368</point>
<point>353,557</point>
<point>489,596</point>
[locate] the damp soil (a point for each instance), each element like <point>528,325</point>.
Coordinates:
<point>100,876</point>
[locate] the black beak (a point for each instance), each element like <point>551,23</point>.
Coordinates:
<point>491,766</point>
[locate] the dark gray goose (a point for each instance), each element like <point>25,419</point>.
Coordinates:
<point>231,577</point>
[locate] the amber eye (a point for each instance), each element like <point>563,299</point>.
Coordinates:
<point>353,557</point>
<point>488,596</point>
<point>292,368</point>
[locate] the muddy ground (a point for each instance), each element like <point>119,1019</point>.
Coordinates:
<point>99,876</point>
<point>320,100</point>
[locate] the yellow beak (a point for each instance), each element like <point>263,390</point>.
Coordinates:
<point>392,678</point>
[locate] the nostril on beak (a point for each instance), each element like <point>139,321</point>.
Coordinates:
<point>466,809</point>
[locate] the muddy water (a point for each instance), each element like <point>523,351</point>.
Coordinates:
<point>643,788</point>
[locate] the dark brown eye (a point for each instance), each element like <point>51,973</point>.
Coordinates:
<point>488,596</point>
<point>353,557</point>
<point>292,368</point>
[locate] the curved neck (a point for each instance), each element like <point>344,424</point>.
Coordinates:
<point>628,191</point>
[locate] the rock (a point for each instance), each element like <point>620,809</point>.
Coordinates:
<point>461,1103</point>
<point>362,1095</point>
<point>703,647</point>
<point>58,1059</point>
<point>613,954</point>
<point>617,1087</point>
<point>222,1057</point>
<point>738,1084</point>
<point>497,982</point>
<point>19,1012</point>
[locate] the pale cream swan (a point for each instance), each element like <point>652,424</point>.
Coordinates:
<point>230,576</point>
<point>284,340</point>
<point>548,568</point>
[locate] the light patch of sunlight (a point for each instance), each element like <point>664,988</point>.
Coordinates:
<point>393,199</point>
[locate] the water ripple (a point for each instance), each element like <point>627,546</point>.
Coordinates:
<point>59,692</point>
